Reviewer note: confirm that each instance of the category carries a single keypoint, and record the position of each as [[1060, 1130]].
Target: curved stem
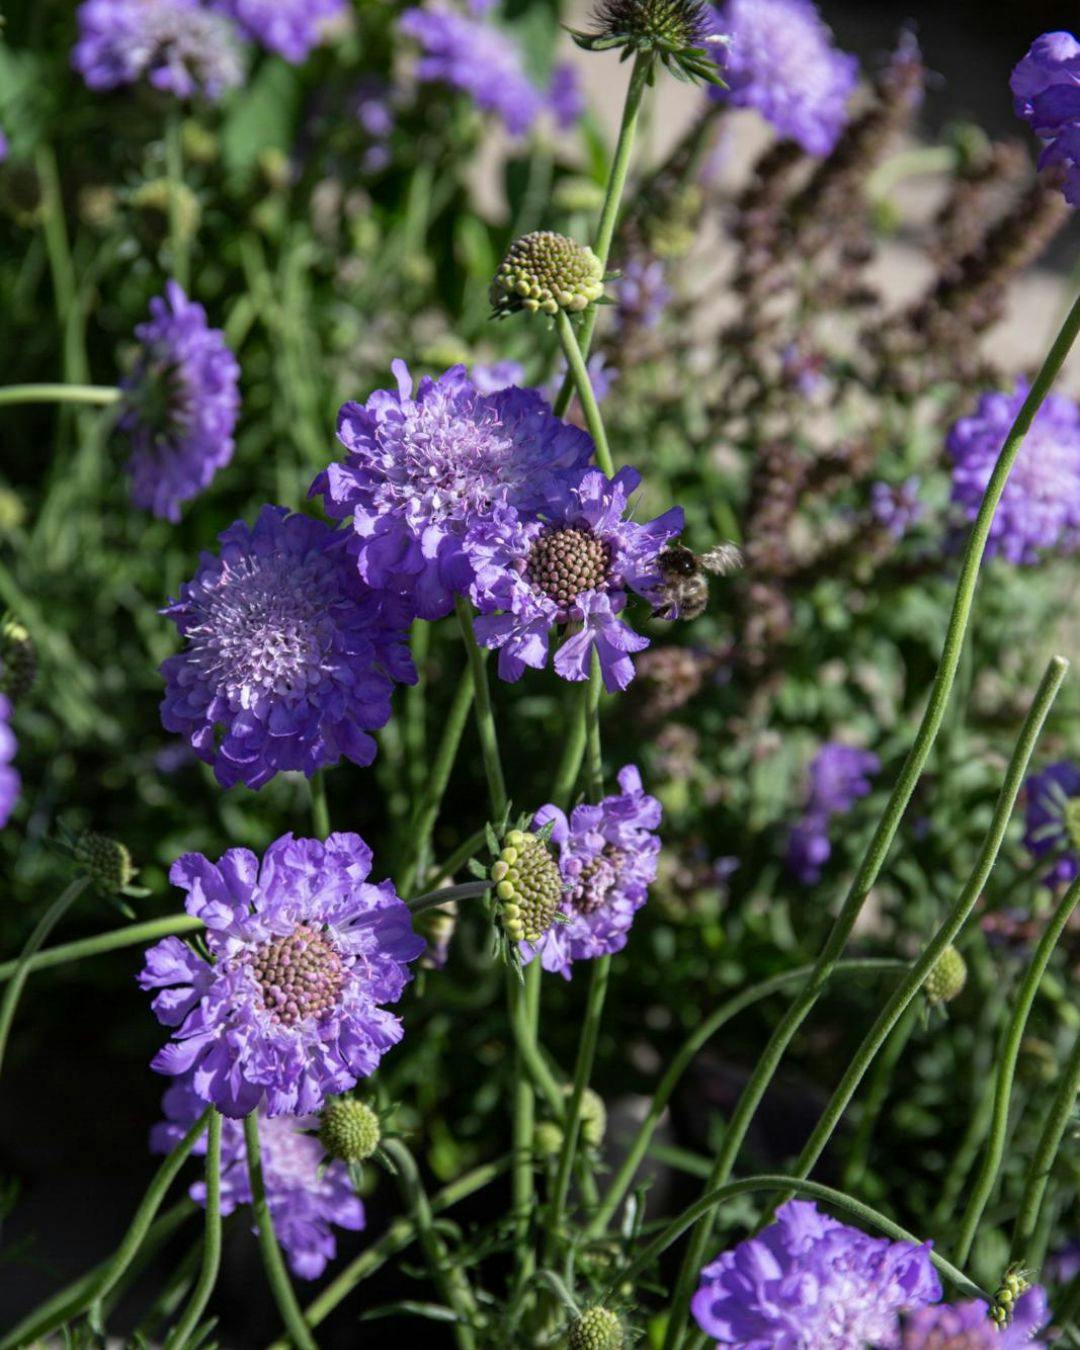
[[485, 718], [174, 168], [276, 1274], [1006, 1068], [883, 836], [594, 767], [624, 1177], [320, 810], [877, 1092], [461, 855], [211, 1250], [579, 373], [46, 924], [58, 393], [114, 940], [468, 890], [1027, 1219]]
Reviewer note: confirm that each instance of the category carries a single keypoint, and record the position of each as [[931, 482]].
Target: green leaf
[[262, 118]]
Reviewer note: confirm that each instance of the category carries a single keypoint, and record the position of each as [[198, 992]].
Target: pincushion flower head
[[969, 1326], [1053, 819], [677, 33], [421, 469], [807, 1281], [178, 405], [572, 568], [1046, 94], [1039, 509], [290, 660], [304, 952], [9, 777], [470, 54], [289, 27], [608, 855], [780, 60], [308, 1193], [177, 46]]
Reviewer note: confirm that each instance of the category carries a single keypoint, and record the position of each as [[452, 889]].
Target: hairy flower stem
[[484, 716], [102, 394], [276, 1274], [566, 775], [885, 832], [624, 1177], [320, 810], [609, 215], [449, 1278], [861, 1213], [580, 375], [46, 924], [130, 936], [910, 986], [1042, 1162], [174, 170], [1006, 1070], [211, 1247]]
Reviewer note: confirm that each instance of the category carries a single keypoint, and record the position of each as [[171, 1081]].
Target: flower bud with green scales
[[106, 862], [545, 272], [1014, 1282], [349, 1129], [18, 660], [548, 1135], [947, 977], [596, 1329], [527, 887]]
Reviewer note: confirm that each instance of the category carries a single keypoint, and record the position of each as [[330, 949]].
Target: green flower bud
[[528, 886], [200, 143], [1014, 1282], [596, 1329], [947, 978], [18, 661], [106, 862], [349, 1129], [593, 1118], [546, 272], [677, 32], [548, 1139]]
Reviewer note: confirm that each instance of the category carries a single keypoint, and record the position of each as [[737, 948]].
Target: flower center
[[597, 879], [563, 563], [299, 976]]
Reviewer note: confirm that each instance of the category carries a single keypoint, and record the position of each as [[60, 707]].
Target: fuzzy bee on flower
[[683, 592]]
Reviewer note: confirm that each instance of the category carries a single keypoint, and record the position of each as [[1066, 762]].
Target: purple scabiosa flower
[[1040, 507], [1053, 819], [642, 294], [839, 776], [896, 506], [176, 45], [421, 470], [493, 376], [968, 1326], [565, 97], [375, 113], [179, 405], [304, 951], [470, 54], [574, 565], [607, 858], [808, 848], [1046, 94], [290, 660], [10, 782], [807, 1281], [780, 60], [308, 1193], [289, 27]]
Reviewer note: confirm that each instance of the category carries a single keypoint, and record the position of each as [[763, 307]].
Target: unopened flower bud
[[528, 886], [105, 861], [18, 661], [548, 1139], [546, 272], [152, 202], [947, 978], [677, 32], [349, 1129], [596, 1329]]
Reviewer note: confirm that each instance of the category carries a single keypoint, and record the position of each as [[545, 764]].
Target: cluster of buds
[[106, 862], [548, 1136], [596, 1329], [528, 886], [678, 33], [546, 272]]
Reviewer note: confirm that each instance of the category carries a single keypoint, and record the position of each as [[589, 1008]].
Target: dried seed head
[[105, 861], [596, 1329], [947, 978], [546, 272], [18, 660], [349, 1129], [528, 886]]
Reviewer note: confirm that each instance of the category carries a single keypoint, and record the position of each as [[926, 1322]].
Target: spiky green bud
[[18, 661], [105, 861], [596, 1329], [546, 272], [528, 886], [349, 1129], [676, 32], [947, 978]]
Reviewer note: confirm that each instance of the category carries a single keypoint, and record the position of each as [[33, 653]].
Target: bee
[[684, 578]]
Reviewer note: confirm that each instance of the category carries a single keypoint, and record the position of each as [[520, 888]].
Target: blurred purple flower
[[289, 27], [10, 782], [4, 148], [641, 293], [497, 375], [566, 98], [896, 506], [839, 775], [808, 848], [968, 1326], [1053, 818], [601, 377], [1046, 94], [373, 107]]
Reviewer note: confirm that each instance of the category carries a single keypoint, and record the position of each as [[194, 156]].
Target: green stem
[[594, 766], [211, 1250], [415, 735], [573, 751], [46, 924], [909, 986], [57, 244], [449, 1278], [468, 890], [1061, 1110], [485, 718], [579, 373], [276, 1274], [464, 851], [862, 1213], [882, 839], [320, 809], [114, 940], [624, 1177], [58, 393], [609, 215], [1006, 1069], [524, 1026], [522, 1000], [877, 1092], [174, 169]]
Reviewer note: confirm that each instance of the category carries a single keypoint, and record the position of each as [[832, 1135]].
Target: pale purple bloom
[[492, 376], [968, 1326], [566, 99], [289, 27], [781, 61], [289, 660], [470, 54], [1053, 818], [1046, 94], [1063, 1266], [374, 111], [179, 405], [607, 858], [896, 506], [641, 293], [808, 848], [839, 776], [421, 470], [572, 567], [308, 1193], [10, 783], [176, 45], [304, 951], [602, 377], [1040, 507], [807, 1281]]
